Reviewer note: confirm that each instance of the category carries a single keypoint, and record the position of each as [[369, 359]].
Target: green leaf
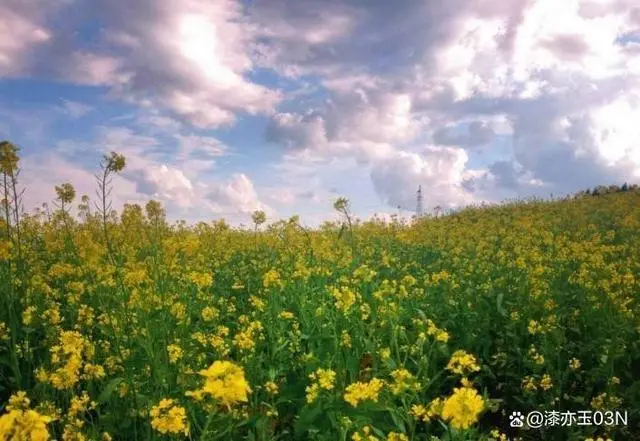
[[306, 420], [105, 395], [499, 301]]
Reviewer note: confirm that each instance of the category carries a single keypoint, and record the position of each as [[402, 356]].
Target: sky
[[223, 107]]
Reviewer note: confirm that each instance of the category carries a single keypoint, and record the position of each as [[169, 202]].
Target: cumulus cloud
[[561, 78], [234, 196], [190, 57], [555, 81], [164, 183], [439, 170]]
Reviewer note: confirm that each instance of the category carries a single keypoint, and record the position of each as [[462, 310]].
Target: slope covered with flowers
[[121, 326]]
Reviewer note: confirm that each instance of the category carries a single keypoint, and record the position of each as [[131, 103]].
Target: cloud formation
[[418, 92]]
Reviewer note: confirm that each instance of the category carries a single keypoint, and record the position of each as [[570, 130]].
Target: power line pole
[[419, 201]]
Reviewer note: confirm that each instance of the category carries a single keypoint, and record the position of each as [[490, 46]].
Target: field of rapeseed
[[121, 326]]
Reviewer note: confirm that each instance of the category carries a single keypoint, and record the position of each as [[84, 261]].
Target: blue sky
[[224, 107]]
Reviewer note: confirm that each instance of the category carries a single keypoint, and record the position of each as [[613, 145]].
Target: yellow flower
[[178, 310], [345, 298], [225, 382], [439, 334], [92, 371], [537, 358], [4, 332], [271, 387], [313, 390], [79, 404], [167, 417], [272, 279], [325, 377], [201, 280], [246, 338], [463, 408], [426, 413], [360, 391], [322, 379], [27, 315], [258, 303], [394, 436], [18, 401], [546, 383], [462, 363], [21, 423], [529, 384], [209, 313], [364, 435], [574, 364], [175, 353], [403, 381], [286, 315], [345, 339]]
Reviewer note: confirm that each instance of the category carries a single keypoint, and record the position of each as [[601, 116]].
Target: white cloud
[[164, 183], [555, 81], [439, 170], [235, 196], [191, 57]]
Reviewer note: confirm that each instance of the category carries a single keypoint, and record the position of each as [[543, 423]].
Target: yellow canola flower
[[426, 413], [403, 381], [360, 391], [167, 417], [175, 353], [225, 382], [394, 436], [322, 379], [364, 435], [27, 425], [463, 407], [21, 423], [462, 362]]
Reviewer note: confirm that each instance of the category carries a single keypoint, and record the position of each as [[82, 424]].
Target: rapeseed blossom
[[174, 352], [463, 407], [395, 436], [321, 379], [426, 413], [224, 382], [462, 363], [123, 306], [169, 418], [403, 381], [364, 434], [22, 423], [362, 391]]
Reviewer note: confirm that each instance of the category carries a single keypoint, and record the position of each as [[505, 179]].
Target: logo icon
[[516, 419]]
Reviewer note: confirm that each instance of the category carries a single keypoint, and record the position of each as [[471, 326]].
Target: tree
[[258, 217]]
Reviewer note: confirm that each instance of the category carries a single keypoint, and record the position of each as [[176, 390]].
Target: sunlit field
[[122, 326]]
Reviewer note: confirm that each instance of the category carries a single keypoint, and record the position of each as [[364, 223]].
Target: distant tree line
[[608, 189]]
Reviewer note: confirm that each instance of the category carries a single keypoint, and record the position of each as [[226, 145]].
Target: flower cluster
[[224, 382], [362, 391], [321, 379], [169, 418]]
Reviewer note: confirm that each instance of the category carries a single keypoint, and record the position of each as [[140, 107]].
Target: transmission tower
[[419, 201]]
